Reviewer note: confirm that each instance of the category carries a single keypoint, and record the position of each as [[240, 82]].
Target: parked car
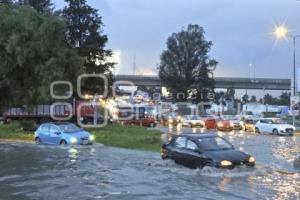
[[192, 121], [235, 122], [62, 133], [274, 126], [249, 125], [199, 150]]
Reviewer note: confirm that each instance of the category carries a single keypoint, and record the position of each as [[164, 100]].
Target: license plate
[[85, 142]]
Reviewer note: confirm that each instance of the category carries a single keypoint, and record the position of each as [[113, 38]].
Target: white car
[[192, 121], [274, 126]]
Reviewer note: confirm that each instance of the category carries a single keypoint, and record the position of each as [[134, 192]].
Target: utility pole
[[133, 65]]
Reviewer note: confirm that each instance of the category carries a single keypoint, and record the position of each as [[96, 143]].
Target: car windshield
[[277, 121], [229, 117], [214, 144], [193, 117], [68, 128]]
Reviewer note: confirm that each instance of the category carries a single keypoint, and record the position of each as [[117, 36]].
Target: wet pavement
[[29, 171]]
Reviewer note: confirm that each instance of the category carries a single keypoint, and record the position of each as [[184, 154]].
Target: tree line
[[39, 45]]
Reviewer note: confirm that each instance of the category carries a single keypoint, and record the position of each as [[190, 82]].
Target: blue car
[[62, 133]]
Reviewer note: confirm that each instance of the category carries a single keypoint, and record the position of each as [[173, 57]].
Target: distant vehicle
[[224, 124], [235, 122], [274, 126], [136, 115], [170, 118], [62, 133], [210, 122], [192, 121], [200, 150], [249, 125]]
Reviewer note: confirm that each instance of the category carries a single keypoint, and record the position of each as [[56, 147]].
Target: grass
[[13, 131], [130, 137]]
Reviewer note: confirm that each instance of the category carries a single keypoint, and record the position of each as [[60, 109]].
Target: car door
[[44, 133], [192, 157], [54, 136], [268, 126], [262, 125], [178, 151]]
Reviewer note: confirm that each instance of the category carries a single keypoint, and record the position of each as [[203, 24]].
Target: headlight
[[178, 118], [92, 138], [251, 159], [170, 120], [73, 140], [220, 124], [225, 163], [242, 123], [231, 124]]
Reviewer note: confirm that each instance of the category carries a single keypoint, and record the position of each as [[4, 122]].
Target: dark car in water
[[200, 150]]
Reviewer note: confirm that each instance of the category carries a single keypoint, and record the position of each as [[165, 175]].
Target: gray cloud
[[239, 30]]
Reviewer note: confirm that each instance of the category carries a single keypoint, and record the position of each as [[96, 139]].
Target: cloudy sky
[[240, 30]]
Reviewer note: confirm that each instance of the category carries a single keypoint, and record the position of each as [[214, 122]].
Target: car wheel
[[164, 154], [38, 140], [63, 142], [275, 132], [208, 164], [257, 130]]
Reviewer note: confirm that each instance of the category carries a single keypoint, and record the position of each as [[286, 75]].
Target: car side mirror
[[57, 133]]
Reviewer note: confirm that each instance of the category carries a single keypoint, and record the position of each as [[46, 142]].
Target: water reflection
[[73, 154]]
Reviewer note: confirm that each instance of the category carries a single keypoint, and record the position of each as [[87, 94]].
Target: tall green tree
[[6, 2], [33, 54], [42, 6], [84, 32], [253, 99], [284, 98], [185, 65]]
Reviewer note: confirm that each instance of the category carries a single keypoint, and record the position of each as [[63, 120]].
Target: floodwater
[[29, 171]]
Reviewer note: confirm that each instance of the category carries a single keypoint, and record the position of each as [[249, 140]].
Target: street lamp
[[282, 32]]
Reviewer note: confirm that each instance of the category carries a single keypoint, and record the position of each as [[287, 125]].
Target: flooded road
[[30, 171]]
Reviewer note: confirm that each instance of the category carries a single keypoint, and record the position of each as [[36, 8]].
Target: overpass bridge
[[221, 82]]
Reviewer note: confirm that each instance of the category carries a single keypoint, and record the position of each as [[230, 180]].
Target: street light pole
[[294, 49], [282, 32]]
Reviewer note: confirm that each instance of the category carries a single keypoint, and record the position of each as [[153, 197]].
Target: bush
[[27, 125], [269, 114]]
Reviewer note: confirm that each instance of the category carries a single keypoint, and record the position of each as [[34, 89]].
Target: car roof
[[57, 123], [196, 136]]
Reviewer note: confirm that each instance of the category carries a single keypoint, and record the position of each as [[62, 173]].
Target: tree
[[42, 6], [6, 2], [284, 98], [253, 99], [245, 98], [268, 99], [33, 54], [185, 66], [84, 32]]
